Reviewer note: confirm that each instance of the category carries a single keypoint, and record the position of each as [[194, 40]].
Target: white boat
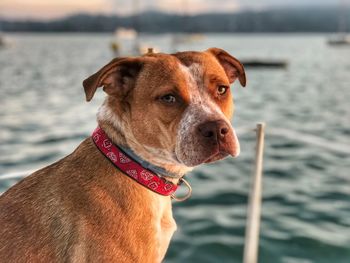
[[125, 33], [126, 40], [342, 38]]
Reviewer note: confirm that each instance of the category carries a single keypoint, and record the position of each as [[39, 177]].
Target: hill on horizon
[[292, 19]]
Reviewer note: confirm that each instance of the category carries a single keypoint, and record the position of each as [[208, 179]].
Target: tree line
[[309, 19]]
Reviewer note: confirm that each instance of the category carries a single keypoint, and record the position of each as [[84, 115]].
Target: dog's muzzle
[[219, 139], [208, 141]]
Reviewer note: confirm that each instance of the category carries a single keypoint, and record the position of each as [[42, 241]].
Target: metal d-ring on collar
[[188, 194]]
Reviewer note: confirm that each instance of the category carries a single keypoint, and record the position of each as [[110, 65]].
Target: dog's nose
[[213, 129]]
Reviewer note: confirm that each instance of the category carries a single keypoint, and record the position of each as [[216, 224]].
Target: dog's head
[[172, 110]]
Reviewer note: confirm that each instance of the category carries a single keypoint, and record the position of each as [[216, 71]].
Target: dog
[[163, 115]]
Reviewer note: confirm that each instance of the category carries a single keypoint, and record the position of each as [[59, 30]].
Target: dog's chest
[[165, 224]]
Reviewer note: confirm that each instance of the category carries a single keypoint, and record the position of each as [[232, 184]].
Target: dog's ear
[[232, 66], [116, 78]]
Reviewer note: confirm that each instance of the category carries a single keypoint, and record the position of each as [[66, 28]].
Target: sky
[[51, 9]]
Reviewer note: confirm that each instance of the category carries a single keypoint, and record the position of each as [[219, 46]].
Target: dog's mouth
[[221, 151], [216, 157], [208, 152]]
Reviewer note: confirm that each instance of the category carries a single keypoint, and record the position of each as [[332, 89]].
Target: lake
[[306, 107]]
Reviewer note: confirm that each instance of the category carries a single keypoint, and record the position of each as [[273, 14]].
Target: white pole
[[253, 221]]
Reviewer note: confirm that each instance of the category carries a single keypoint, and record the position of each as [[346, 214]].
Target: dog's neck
[[152, 158], [156, 169]]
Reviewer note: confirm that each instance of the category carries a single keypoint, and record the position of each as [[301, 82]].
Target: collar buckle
[[188, 194]]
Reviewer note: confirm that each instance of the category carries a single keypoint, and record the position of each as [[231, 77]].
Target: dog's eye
[[222, 89], [169, 98]]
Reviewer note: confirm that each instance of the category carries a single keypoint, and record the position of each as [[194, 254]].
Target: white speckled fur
[[106, 114], [202, 108]]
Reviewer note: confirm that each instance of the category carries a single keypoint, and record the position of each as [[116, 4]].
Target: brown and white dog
[[173, 111]]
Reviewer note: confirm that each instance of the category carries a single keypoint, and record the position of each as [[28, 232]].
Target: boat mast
[[342, 10], [184, 16], [136, 22]]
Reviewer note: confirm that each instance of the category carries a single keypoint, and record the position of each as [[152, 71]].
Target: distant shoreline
[[9, 33], [287, 20]]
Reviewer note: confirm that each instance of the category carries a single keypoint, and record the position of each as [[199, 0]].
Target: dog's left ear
[[116, 78], [232, 66]]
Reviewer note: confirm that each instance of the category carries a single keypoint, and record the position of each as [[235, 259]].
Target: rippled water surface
[[306, 196]]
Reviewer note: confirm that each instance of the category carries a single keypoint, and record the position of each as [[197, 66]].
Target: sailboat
[[186, 36], [341, 38], [129, 37]]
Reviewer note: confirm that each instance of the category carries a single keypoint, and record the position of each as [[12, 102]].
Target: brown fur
[[61, 212], [83, 209]]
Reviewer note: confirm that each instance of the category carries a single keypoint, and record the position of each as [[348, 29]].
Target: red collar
[[131, 168]]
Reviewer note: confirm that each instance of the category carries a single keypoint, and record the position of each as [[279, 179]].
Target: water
[[306, 196]]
